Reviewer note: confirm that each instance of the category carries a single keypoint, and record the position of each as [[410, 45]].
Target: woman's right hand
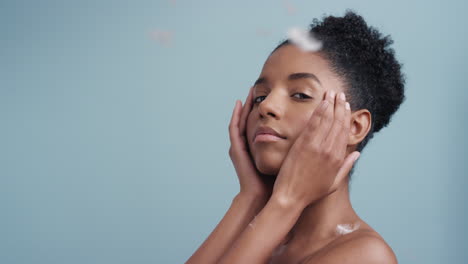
[[252, 182]]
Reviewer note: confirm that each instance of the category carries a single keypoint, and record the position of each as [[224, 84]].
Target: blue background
[[114, 144]]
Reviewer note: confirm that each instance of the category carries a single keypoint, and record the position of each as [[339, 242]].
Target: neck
[[319, 220]]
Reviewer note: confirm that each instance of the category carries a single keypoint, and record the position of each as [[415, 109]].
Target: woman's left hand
[[316, 164]]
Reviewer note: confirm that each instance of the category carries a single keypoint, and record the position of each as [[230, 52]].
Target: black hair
[[367, 65]]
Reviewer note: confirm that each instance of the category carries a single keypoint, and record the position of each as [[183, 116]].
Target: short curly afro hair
[[367, 65]]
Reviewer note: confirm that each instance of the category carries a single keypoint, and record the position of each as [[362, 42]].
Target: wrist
[[286, 208], [287, 203], [252, 204], [254, 197]]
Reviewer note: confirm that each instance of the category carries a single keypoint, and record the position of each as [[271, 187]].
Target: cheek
[[307, 114], [305, 121], [249, 127], [300, 123]]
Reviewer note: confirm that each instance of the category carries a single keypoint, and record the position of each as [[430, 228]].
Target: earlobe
[[360, 126]]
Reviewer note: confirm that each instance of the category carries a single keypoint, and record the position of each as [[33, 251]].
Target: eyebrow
[[294, 76]]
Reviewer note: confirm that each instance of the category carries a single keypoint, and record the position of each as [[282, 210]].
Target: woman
[[294, 143]]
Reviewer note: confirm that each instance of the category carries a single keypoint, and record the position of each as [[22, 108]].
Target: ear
[[360, 126]]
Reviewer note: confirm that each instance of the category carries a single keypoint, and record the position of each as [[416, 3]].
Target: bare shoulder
[[363, 247]]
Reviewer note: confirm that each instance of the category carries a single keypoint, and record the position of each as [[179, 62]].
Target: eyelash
[[305, 96]]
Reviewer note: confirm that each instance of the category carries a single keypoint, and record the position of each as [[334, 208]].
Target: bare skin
[[291, 201], [314, 233]]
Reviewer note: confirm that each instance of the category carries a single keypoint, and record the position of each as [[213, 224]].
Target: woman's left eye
[[302, 96]]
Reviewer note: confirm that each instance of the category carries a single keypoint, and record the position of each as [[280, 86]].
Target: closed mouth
[[265, 130]]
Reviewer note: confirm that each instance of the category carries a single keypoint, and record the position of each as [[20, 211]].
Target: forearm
[[257, 242], [243, 209]]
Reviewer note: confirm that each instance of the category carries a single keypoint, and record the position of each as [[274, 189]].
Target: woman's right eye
[[256, 99]]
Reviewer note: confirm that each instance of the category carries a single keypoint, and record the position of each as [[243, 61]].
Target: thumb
[[345, 169]]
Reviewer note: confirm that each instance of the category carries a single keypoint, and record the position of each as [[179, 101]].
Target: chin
[[268, 164]]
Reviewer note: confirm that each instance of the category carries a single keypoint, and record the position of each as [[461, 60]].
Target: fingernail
[[342, 96], [332, 95], [347, 106], [357, 156]]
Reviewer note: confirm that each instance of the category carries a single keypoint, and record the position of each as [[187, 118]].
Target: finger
[[234, 123], [245, 112], [337, 138], [343, 139], [327, 119], [345, 169], [314, 121]]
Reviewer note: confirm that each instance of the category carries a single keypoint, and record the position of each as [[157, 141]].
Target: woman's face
[[291, 85]]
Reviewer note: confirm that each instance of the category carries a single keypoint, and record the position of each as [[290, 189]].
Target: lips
[[268, 131]]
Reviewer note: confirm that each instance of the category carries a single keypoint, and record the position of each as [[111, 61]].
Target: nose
[[271, 106]]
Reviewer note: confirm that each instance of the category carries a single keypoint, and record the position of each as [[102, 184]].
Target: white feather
[[344, 229], [304, 39]]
